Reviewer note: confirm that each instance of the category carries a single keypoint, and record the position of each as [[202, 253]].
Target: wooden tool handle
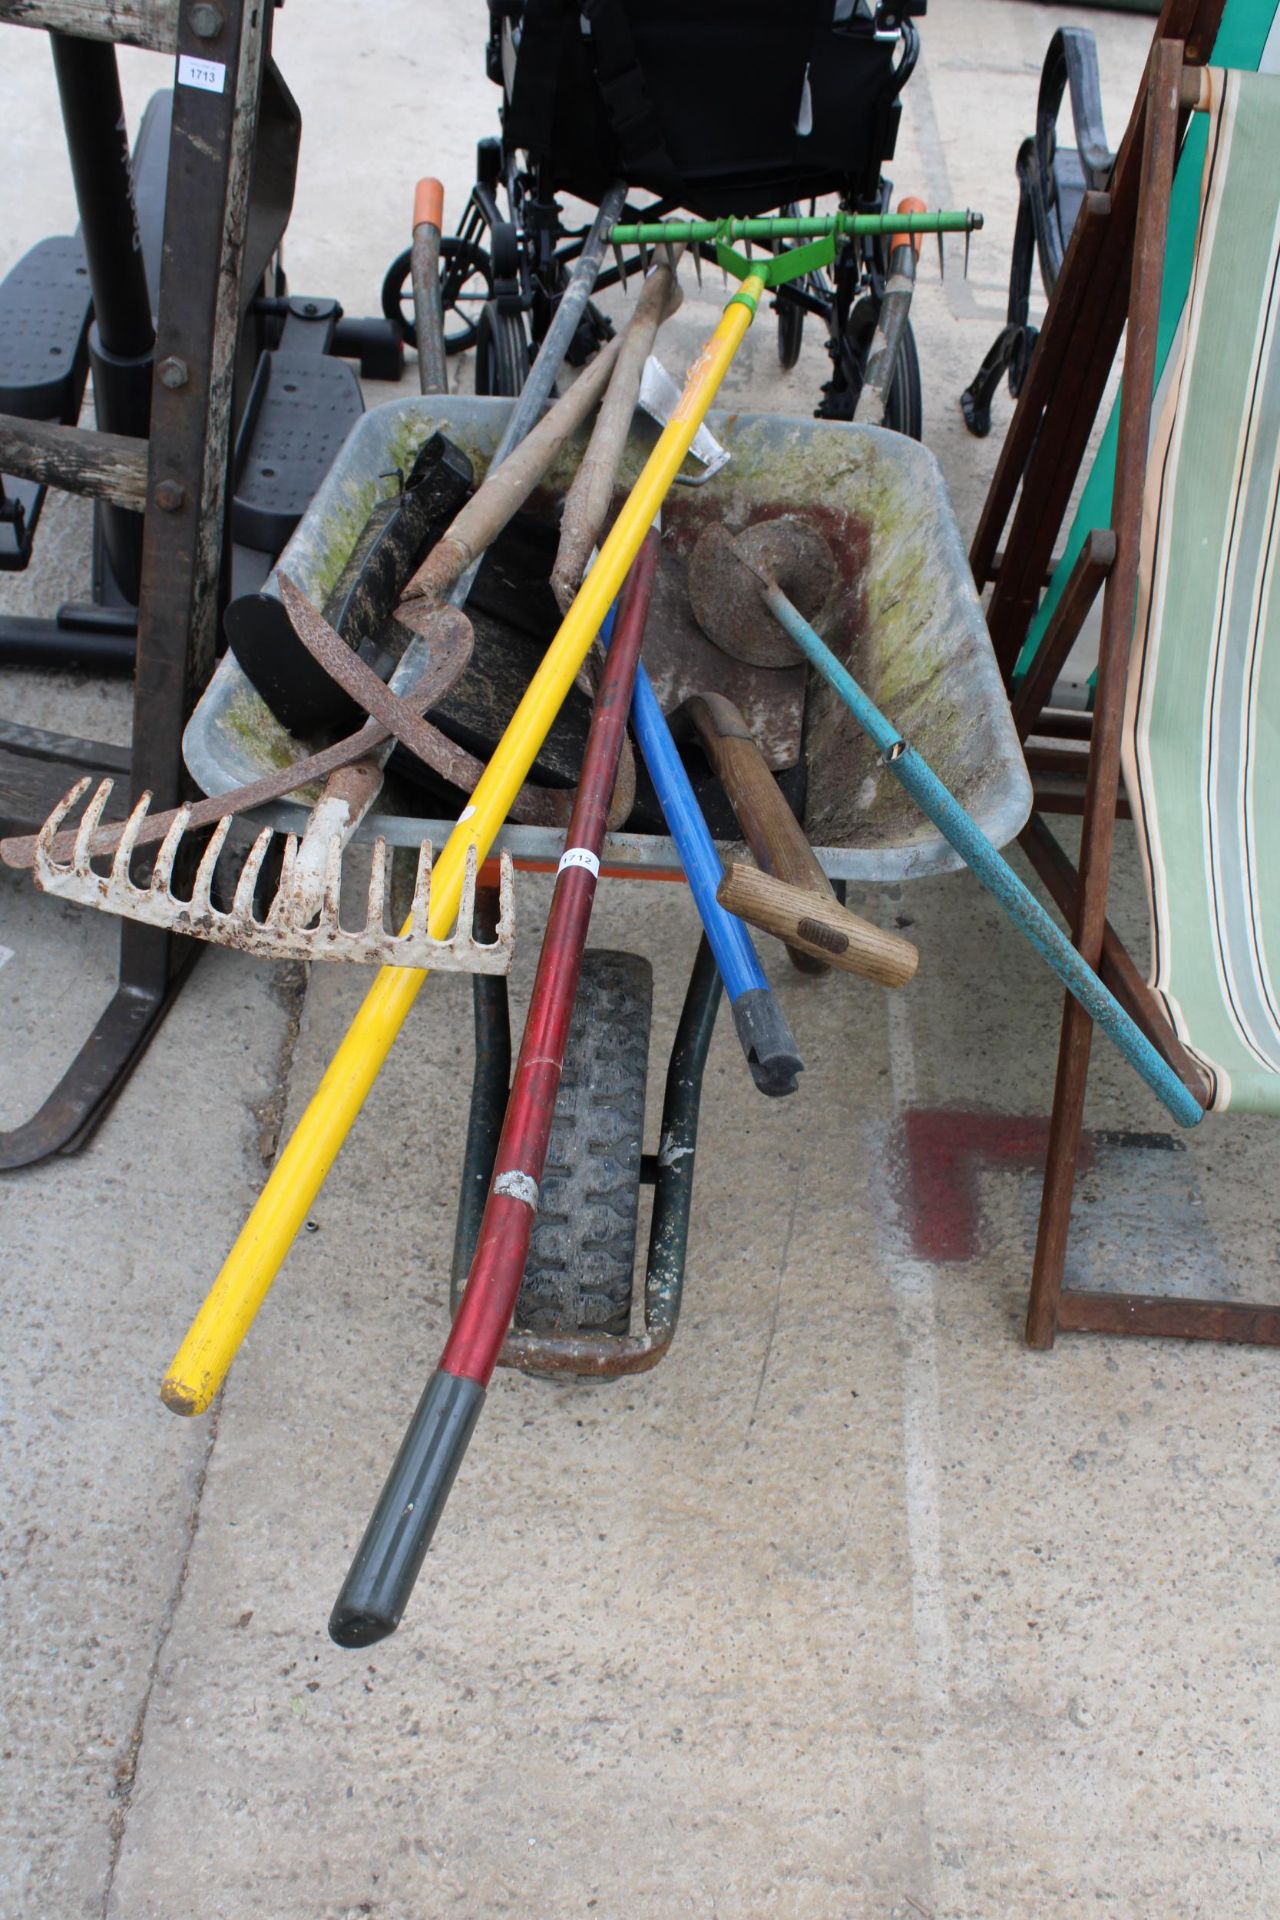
[[586, 505], [820, 927], [505, 489], [769, 827]]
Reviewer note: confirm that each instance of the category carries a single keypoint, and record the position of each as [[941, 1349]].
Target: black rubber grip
[[376, 1591], [767, 1041]]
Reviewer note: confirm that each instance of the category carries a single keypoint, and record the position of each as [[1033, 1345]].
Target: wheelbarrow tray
[[907, 621]]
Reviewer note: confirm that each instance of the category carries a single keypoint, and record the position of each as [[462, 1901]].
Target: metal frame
[[669, 1172], [1112, 275], [184, 545]]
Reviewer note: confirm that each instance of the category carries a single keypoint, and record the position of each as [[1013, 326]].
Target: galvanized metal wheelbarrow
[[909, 624]]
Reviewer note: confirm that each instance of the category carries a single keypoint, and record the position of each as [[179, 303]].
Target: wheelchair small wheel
[[790, 313], [502, 352], [905, 411], [466, 283], [790, 331], [578, 1277]]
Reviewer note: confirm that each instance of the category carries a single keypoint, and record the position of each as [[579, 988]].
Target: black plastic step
[[301, 408], [45, 309]]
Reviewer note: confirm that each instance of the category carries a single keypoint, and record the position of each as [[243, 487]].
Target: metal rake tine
[[375, 917], [129, 838], [620, 259], [421, 893], [942, 258], [88, 827], [247, 884], [697, 264], [162, 872], [464, 928], [967, 238], [277, 912], [506, 900], [49, 831], [330, 899], [202, 890]]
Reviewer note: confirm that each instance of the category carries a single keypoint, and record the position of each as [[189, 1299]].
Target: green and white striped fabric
[[1202, 733]]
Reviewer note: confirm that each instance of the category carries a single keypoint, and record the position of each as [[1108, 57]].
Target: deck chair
[[1188, 690]]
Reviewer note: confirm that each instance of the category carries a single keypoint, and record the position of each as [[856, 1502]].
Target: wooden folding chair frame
[[1112, 274]]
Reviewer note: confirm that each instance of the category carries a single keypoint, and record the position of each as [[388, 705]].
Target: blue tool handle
[[766, 1038], [995, 873], [730, 942]]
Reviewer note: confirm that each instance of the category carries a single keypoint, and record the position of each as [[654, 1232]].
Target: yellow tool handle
[[201, 1363]]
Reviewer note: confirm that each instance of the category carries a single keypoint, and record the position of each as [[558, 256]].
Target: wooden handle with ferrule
[[820, 927]]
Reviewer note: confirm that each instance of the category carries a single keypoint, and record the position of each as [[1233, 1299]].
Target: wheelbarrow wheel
[[582, 1255]]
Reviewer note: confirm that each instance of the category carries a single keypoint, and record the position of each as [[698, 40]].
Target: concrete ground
[[854, 1607]]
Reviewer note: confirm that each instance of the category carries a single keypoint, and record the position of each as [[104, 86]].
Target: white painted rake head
[[302, 922]]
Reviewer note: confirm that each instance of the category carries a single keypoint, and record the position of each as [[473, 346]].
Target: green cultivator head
[[820, 234]]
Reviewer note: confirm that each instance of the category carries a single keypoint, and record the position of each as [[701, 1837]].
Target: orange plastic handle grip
[[428, 205], [909, 205]]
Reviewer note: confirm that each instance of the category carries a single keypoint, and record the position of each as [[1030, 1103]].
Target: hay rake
[[303, 921]]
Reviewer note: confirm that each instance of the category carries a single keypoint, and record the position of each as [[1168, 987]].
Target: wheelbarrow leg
[[490, 1086]]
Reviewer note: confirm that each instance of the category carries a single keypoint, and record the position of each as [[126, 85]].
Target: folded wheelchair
[[742, 110]]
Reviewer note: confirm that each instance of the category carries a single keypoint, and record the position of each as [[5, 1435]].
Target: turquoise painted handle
[[995, 873]]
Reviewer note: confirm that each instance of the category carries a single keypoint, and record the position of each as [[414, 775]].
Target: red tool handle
[[503, 1244], [386, 1565]]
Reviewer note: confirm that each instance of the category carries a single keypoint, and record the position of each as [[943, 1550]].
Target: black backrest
[[732, 107]]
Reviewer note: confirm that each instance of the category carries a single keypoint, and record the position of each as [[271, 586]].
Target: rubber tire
[[502, 352], [790, 333], [397, 292], [582, 1255], [905, 412]]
